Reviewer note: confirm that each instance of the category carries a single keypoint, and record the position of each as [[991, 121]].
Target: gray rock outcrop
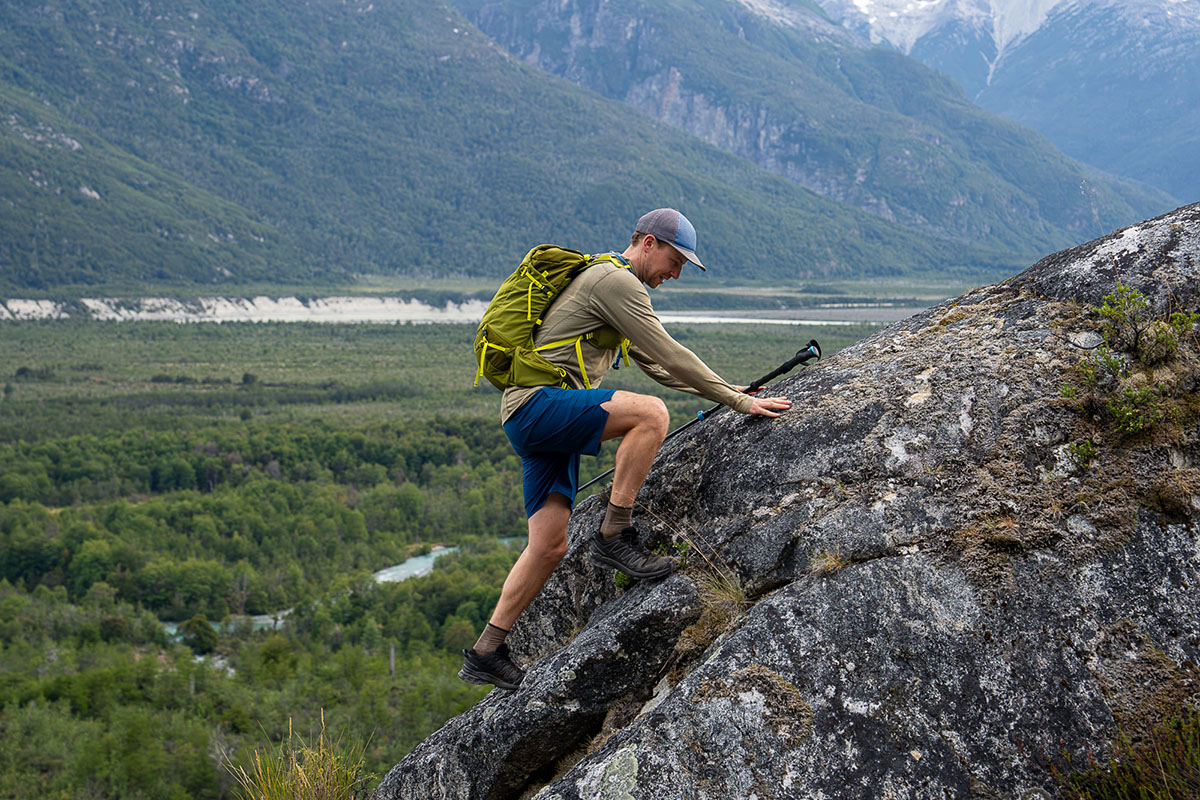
[[926, 591]]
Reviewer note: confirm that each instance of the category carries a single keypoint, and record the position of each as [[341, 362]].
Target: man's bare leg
[[642, 421], [546, 548], [488, 660]]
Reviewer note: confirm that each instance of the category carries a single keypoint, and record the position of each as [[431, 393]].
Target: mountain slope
[[1111, 82], [775, 82], [77, 207], [332, 139]]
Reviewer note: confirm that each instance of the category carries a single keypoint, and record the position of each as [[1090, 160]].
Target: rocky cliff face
[[631, 53], [778, 84], [911, 585]]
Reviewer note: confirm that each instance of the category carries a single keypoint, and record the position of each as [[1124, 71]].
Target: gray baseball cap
[[668, 225]]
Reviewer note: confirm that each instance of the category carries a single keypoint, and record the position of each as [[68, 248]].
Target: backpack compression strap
[[531, 274]]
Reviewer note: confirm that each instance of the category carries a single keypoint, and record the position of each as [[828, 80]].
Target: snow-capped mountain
[[905, 23], [1111, 82]]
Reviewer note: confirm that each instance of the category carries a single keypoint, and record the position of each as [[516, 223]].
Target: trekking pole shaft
[[811, 350]]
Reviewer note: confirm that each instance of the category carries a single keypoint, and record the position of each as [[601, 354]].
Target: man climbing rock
[[600, 314]]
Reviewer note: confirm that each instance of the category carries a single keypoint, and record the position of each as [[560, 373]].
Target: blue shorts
[[549, 433]]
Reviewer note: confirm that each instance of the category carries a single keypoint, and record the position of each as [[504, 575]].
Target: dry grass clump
[[723, 596], [827, 562], [300, 770], [721, 592]]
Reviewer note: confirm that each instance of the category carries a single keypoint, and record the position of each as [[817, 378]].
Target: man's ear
[[649, 243]]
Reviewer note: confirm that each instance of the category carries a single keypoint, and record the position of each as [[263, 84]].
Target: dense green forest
[[157, 472], [97, 701], [228, 517]]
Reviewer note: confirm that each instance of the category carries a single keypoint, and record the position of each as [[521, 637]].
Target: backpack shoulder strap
[[612, 258]]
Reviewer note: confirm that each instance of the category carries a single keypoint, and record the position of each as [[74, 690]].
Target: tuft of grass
[[721, 590], [827, 562], [1166, 766], [723, 596], [300, 770]]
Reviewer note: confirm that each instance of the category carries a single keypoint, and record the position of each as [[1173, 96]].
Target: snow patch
[[778, 12], [902, 23]]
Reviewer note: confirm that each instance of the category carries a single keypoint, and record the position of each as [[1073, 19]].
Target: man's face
[[663, 263]]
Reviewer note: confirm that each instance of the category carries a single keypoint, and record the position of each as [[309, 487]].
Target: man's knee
[[549, 550], [628, 410], [657, 415]]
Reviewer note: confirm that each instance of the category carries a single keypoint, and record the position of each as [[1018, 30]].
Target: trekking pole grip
[[811, 350]]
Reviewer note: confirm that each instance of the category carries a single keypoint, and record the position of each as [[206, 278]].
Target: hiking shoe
[[495, 668], [626, 554]]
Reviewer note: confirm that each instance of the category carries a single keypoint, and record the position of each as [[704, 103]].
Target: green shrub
[[1134, 410], [1129, 326], [1164, 767], [1081, 453], [1126, 315], [1118, 383]]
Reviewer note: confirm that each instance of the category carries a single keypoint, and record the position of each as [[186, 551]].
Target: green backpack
[[504, 344]]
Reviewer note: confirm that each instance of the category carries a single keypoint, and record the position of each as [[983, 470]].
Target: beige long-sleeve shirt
[[610, 299]]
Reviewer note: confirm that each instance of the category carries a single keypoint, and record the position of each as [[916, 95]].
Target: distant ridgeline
[[226, 144], [806, 99]]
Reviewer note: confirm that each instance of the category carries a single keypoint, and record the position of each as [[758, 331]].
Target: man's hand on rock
[[769, 406]]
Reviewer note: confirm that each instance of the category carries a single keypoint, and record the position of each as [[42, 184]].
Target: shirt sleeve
[[658, 373], [623, 302]]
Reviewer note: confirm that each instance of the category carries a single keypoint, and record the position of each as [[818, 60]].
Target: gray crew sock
[[491, 638], [616, 519]]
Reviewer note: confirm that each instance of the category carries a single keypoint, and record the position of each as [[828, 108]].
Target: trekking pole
[[811, 350]]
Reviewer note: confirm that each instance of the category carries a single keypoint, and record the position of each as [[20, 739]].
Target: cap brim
[[689, 255]]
